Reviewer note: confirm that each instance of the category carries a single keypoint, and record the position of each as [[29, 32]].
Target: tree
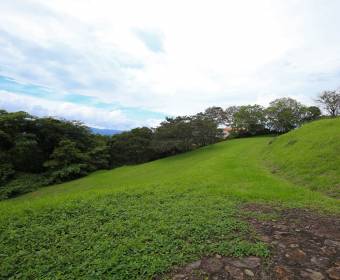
[[249, 119], [64, 154], [229, 113], [311, 113], [99, 155], [5, 141], [330, 100], [26, 154], [173, 136], [216, 114], [205, 130], [131, 147], [284, 114], [66, 162]]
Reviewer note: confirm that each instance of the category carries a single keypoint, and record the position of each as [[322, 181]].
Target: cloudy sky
[[121, 64]]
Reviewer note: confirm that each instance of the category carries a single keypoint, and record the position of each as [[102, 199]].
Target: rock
[[249, 262], [193, 266], [334, 273], [293, 245], [265, 238], [178, 277], [332, 243], [296, 255], [320, 261], [312, 274], [281, 273], [252, 262], [238, 264], [234, 272], [218, 256], [249, 272], [328, 250], [281, 246], [212, 265], [282, 227]]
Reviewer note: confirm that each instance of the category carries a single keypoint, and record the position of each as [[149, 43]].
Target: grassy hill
[[136, 222], [309, 156]]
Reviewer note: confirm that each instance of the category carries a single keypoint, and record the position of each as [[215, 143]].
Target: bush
[[6, 172], [21, 184], [69, 172]]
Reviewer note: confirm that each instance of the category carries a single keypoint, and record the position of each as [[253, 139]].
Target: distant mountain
[[103, 131]]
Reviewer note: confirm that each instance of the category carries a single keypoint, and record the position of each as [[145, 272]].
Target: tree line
[[36, 152]]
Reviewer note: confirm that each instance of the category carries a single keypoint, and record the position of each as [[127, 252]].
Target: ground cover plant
[[309, 156], [137, 222]]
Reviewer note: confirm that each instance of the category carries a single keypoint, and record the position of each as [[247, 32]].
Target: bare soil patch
[[304, 245]]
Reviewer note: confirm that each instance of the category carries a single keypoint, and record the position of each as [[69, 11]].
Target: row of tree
[[40, 151], [282, 115]]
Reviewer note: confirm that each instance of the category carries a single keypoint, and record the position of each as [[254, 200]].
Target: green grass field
[[310, 156], [137, 222]]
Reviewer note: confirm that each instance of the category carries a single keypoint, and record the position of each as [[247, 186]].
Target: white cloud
[[90, 116], [213, 52]]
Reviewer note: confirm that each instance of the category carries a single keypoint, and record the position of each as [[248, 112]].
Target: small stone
[[238, 264], [218, 256], [193, 266], [328, 250], [249, 272], [234, 272], [264, 238], [320, 261], [294, 245], [312, 274], [281, 273], [296, 255], [212, 265], [252, 262], [281, 233], [332, 243], [282, 246], [178, 277], [334, 273], [282, 227]]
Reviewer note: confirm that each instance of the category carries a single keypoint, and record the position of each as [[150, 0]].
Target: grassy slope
[[310, 156], [138, 221]]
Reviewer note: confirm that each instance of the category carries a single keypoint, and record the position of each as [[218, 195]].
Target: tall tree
[[330, 100], [284, 114], [131, 147], [230, 113], [217, 114], [249, 119], [311, 113]]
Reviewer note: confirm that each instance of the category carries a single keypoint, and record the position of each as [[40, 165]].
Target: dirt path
[[304, 245]]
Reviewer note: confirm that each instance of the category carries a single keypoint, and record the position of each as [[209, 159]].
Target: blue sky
[[122, 64]]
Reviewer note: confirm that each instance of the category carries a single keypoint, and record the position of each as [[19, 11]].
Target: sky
[[122, 64]]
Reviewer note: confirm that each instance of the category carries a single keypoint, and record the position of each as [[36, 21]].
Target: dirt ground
[[304, 245]]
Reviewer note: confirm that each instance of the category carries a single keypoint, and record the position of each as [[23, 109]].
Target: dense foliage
[[40, 151], [57, 150]]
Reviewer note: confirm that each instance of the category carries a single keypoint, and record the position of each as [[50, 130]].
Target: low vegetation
[[136, 222], [309, 156]]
